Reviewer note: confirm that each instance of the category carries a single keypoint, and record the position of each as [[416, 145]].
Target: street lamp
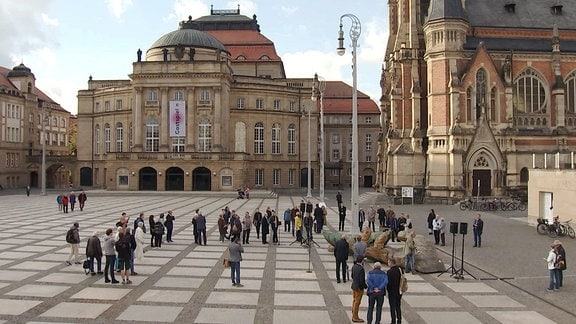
[[318, 87], [45, 119], [355, 30], [309, 173]]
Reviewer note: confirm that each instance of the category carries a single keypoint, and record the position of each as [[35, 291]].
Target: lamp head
[[341, 50], [314, 87]]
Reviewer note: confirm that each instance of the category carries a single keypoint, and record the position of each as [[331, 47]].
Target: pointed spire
[[442, 9]]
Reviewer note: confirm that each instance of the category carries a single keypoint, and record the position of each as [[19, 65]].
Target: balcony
[[205, 103], [180, 156], [151, 103]]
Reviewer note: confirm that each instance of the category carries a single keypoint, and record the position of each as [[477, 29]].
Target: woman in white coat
[[139, 236]]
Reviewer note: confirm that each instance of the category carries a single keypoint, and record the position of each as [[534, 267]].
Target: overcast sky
[[64, 42]]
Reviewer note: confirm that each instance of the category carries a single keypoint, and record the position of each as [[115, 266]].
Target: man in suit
[[477, 228], [341, 251]]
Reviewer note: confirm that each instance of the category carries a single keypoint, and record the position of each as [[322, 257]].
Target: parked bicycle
[[556, 228], [514, 204], [469, 204]]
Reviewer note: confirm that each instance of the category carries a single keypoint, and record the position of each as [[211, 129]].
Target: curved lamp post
[[318, 87], [355, 30]]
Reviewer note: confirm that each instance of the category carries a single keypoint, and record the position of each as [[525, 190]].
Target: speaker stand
[[459, 275], [451, 268]]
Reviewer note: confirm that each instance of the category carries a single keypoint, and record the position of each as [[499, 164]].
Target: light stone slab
[[427, 301], [154, 261], [254, 256], [52, 243], [421, 287], [4, 262], [161, 253], [35, 265], [296, 285], [136, 281], [233, 297], [189, 271], [166, 296], [13, 275], [281, 299], [248, 284], [51, 257], [292, 257], [519, 317], [253, 264], [198, 262], [346, 300], [6, 246], [245, 273], [282, 316], [204, 255], [76, 310], [292, 265], [179, 282], [64, 278], [470, 287], [295, 274], [15, 255], [145, 269], [34, 248], [292, 250], [225, 315], [450, 317], [211, 248], [150, 313], [101, 293], [493, 301], [16, 307], [38, 291]]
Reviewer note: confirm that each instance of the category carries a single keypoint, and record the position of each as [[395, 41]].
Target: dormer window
[[264, 57], [556, 10], [510, 7], [241, 57]]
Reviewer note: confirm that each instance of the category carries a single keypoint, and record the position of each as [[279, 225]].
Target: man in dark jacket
[[341, 251], [358, 286], [377, 282], [394, 296], [123, 249], [341, 217]]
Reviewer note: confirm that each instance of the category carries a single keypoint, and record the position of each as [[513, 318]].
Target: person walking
[[274, 224], [371, 220], [394, 294], [222, 227], [169, 223], [341, 251], [265, 229], [308, 223], [287, 220], [110, 254], [430, 220], [361, 219], [410, 252], [246, 227], [72, 199], [562, 266], [318, 219], [358, 286], [73, 238], [377, 281], [339, 199], [359, 248], [59, 202], [442, 232], [82, 199], [27, 191], [94, 251], [257, 221], [235, 250], [477, 228], [554, 272], [65, 202], [341, 217]]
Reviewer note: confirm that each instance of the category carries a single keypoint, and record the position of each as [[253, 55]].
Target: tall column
[[217, 120], [164, 122], [137, 124], [190, 120]]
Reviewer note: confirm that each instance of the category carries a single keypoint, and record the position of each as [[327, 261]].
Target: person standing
[[302, 207], [477, 228], [554, 272], [82, 199], [94, 251], [257, 221], [442, 231], [246, 227], [430, 220], [392, 222], [410, 252], [371, 220], [318, 219], [436, 230], [73, 238], [65, 203], [562, 255], [247, 192], [377, 281], [123, 249], [235, 226], [59, 201], [359, 248], [139, 238], [341, 217], [27, 191], [293, 213], [287, 220], [201, 228], [235, 250], [169, 223], [308, 223], [372, 212], [274, 223], [361, 219], [151, 223], [265, 229], [394, 294], [358, 286], [222, 227], [298, 227], [341, 251], [158, 231], [72, 199], [110, 254], [339, 199]]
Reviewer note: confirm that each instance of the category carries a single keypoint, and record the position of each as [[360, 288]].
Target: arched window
[[259, 138], [178, 95], [493, 103], [264, 57], [119, 137], [276, 138], [524, 175], [240, 57], [529, 93], [291, 139], [107, 138], [570, 90], [29, 87], [97, 139], [481, 90], [468, 104], [152, 136], [204, 135]]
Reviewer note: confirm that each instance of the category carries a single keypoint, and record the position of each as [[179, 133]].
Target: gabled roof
[[247, 43], [337, 99]]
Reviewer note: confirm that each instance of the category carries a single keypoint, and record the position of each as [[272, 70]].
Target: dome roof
[[20, 71], [189, 37]]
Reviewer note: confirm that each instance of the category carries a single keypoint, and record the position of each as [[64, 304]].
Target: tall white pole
[[309, 193], [43, 138], [318, 87], [354, 35]]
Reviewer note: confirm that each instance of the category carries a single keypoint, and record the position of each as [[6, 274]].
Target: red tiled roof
[[4, 78], [338, 100], [248, 43]]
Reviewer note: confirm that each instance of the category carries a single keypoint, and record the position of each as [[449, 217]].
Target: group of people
[[64, 200], [556, 261]]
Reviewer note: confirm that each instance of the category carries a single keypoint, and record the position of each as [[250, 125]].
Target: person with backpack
[[94, 251], [394, 293], [123, 249], [561, 261], [73, 238], [377, 281]]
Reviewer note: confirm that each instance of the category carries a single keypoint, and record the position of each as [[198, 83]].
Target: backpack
[[70, 236], [560, 263], [121, 245], [403, 283]]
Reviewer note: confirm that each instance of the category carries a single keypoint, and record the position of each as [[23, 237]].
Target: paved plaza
[[186, 283]]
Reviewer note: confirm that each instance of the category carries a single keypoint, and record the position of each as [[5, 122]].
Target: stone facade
[[471, 89]]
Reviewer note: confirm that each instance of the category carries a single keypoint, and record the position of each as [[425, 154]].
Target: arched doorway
[[147, 179], [58, 176], [201, 179], [86, 177], [304, 178], [33, 179], [482, 175], [174, 179]]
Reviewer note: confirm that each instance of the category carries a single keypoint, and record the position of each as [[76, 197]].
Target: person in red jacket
[[65, 203]]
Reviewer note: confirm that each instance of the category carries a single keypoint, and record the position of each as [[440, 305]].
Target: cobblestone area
[[185, 283]]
